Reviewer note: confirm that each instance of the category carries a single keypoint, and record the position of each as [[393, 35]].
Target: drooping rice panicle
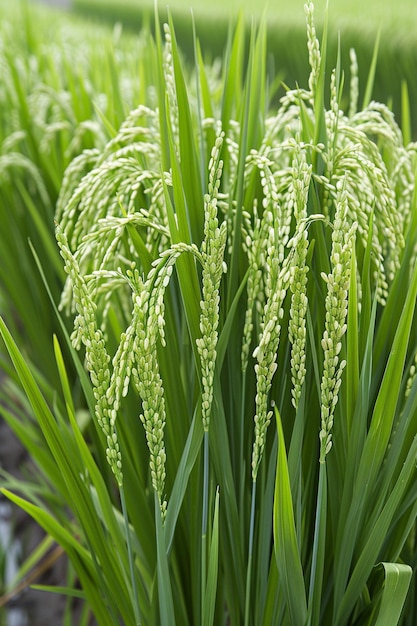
[[148, 381], [332, 123], [298, 311], [265, 354], [255, 246], [276, 285], [86, 331], [354, 83], [148, 322], [314, 54], [170, 83], [212, 252], [91, 182], [336, 312], [73, 175], [370, 192]]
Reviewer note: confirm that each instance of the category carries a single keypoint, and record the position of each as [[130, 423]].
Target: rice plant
[[56, 87], [242, 280]]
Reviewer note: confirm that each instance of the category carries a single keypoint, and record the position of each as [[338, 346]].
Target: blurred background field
[[384, 11], [357, 23]]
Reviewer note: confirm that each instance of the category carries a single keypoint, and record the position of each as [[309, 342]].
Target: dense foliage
[[231, 438]]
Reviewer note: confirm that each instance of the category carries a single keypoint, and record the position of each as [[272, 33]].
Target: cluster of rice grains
[[352, 189]]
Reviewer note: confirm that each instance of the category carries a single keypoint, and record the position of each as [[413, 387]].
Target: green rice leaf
[[32, 439], [58, 532], [37, 401], [318, 560], [371, 75], [48, 244], [220, 455], [188, 153], [85, 383], [228, 325], [63, 376], [185, 467], [205, 93], [33, 559], [273, 612], [265, 531], [367, 297], [69, 465], [232, 74], [387, 400], [375, 540], [396, 584], [307, 124], [111, 131], [64, 591], [352, 359], [160, 82], [376, 442], [166, 603], [81, 558], [287, 552], [252, 129], [180, 232], [213, 567]]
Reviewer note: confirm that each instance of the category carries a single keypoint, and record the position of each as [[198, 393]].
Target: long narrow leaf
[[316, 579], [213, 567], [397, 582], [79, 556], [166, 603], [185, 467], [378, 436], [287, 552]]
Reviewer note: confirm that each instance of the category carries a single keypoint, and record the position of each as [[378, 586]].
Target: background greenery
[[357, 23]]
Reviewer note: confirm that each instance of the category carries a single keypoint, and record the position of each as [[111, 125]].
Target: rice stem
[[136, 607], [206, 470], [250, 554]]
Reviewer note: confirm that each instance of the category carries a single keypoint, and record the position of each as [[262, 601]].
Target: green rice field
[[208, 328], [373, 13], [353, 23]]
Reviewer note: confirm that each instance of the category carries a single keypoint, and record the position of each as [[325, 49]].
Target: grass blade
[[369, 552], [79, 556], [166, 603], [185, 467], [287, 553], [371, 75], [396, 584], [317, 568], [378, 436], [213, 567]]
